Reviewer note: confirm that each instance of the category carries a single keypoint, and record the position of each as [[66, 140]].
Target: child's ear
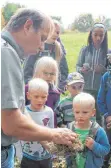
[[28, 95], [93, 112]]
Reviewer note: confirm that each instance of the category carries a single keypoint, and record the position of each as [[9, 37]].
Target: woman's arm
[[81, 59]]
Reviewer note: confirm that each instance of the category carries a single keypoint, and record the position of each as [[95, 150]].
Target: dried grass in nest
[[61, 151]]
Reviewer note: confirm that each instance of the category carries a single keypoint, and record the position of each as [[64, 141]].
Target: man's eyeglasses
[[49, 73]]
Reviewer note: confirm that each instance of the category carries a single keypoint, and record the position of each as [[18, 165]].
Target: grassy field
[[73, 43]]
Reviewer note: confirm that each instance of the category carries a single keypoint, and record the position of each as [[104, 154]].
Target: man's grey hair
[[18, 20]]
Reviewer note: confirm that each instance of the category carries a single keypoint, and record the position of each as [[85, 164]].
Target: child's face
[[49, 74], [56, 33], [75, 89], [83, 113], [98, 36], [37, 99]]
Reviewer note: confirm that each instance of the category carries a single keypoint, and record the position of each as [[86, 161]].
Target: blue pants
[[7, 157]]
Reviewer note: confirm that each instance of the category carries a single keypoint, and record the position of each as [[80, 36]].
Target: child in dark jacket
[[47, 69], [104, 104]]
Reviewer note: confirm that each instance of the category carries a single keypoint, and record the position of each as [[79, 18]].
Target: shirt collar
[[6, 35]]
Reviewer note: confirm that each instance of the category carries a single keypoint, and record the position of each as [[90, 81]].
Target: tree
[[2, 19], [105, 21], [58, 18], [9, 9], [83, 22]]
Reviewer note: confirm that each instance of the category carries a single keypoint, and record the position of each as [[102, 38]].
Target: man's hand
[[89, 142], [45, 144], [108, 121], [63, 136]]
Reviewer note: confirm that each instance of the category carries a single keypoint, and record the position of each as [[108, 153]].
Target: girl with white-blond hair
[[47, 69]]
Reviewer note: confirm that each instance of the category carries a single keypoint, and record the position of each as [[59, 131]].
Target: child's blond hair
[[38, 84], [58, 50], [84, 99], [46, 63]]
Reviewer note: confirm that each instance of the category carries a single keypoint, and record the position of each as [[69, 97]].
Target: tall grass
[[73, 41]]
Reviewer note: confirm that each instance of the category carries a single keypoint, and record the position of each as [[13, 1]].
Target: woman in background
[[92, 61]]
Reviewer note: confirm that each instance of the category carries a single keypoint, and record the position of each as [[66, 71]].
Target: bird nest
[[60, 152], [63, 150]]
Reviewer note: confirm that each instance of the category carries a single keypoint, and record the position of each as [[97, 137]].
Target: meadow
[[73, 41]]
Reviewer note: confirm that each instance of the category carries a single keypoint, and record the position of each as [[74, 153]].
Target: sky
[[68, 9]]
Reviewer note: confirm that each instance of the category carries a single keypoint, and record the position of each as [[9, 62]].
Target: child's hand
[[89, 142]]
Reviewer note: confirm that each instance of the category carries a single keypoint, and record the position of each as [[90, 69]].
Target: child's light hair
[[46, 63], [84, 99], [38, 84], [58, 50], [56, 22]]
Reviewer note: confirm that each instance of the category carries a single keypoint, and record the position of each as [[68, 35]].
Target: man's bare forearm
[[14, 123]]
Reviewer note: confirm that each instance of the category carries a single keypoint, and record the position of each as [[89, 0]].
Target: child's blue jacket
[[104, 95], [101, 147]]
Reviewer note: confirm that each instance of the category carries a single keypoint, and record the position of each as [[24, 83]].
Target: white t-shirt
[[34, 150]]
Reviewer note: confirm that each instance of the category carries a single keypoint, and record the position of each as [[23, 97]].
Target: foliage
[[83, 22], [9, 9], [2, 19], [105, 21], [58, 18]]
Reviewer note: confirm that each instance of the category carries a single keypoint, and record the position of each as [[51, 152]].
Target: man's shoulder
[[4, 43], [7, 48]]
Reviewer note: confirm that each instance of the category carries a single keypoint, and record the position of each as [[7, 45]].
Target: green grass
[[73, 42]]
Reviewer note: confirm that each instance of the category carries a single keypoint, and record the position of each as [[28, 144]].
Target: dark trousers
[[28, 163], [94, 93]]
